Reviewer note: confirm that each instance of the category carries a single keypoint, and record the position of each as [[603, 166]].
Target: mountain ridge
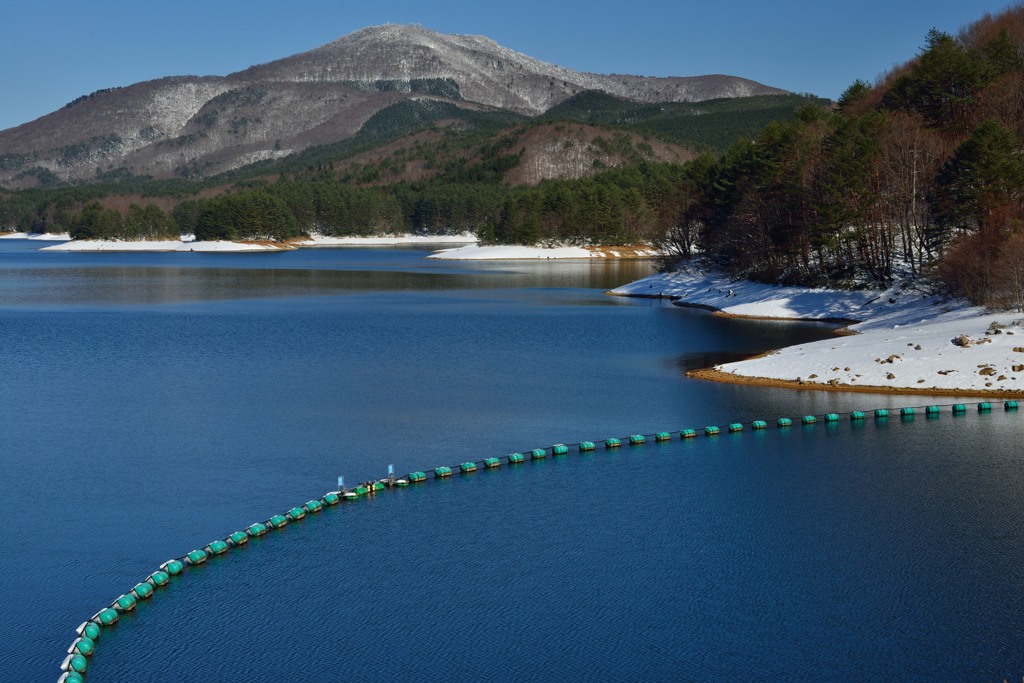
[[197, 126]]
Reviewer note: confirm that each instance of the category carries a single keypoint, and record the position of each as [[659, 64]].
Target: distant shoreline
[[500, 252], [459, 247], [39, 236], [191, 245]]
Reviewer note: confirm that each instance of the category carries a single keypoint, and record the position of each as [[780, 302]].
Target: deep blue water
[[156, 402]]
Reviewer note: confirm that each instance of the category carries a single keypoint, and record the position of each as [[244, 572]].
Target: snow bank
[[908, 341], [513, 252], [385, 240], [960, 355], [742, 298], [42, 236], [498, 253], [162, 245], [188, 243]]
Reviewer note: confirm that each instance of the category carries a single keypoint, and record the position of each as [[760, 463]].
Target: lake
[[157, 402]]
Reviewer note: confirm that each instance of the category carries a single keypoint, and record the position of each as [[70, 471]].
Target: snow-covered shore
[[515, 252], [163, 246], [189, 244], [907, 341], [41, 236], [467, 249], [386, 240]]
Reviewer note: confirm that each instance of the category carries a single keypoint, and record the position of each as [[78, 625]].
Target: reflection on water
[[699, 360], [41, 278]]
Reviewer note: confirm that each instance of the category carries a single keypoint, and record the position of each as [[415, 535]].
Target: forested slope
[[920, 172], [423, 166]]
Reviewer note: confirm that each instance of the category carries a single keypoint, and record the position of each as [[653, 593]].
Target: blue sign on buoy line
[[75, 664]]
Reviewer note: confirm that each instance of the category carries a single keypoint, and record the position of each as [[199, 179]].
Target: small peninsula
[[904, 340]]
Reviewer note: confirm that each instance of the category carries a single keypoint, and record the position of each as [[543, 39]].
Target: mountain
[[188, 126], [483, 71]]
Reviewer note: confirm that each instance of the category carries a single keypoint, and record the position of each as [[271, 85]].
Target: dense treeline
[[138, 223], [921, 172], [638, 203]]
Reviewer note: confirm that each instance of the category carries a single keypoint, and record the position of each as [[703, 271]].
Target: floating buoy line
[[76, 662]]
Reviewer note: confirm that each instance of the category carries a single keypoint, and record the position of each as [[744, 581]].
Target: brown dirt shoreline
[[713, 375]]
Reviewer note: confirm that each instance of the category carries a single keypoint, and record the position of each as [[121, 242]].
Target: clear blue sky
[[52, 51]]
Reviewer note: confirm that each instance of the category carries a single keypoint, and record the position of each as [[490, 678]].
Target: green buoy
[[107, 616], [196, 557], [78, 663], [85, 646], [125, 603], [90, 630]]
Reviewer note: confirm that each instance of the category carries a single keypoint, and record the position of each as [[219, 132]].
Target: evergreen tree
[[983, 182]]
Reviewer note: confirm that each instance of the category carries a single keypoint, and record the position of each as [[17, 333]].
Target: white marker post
[[391, 475], [341, 483]]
